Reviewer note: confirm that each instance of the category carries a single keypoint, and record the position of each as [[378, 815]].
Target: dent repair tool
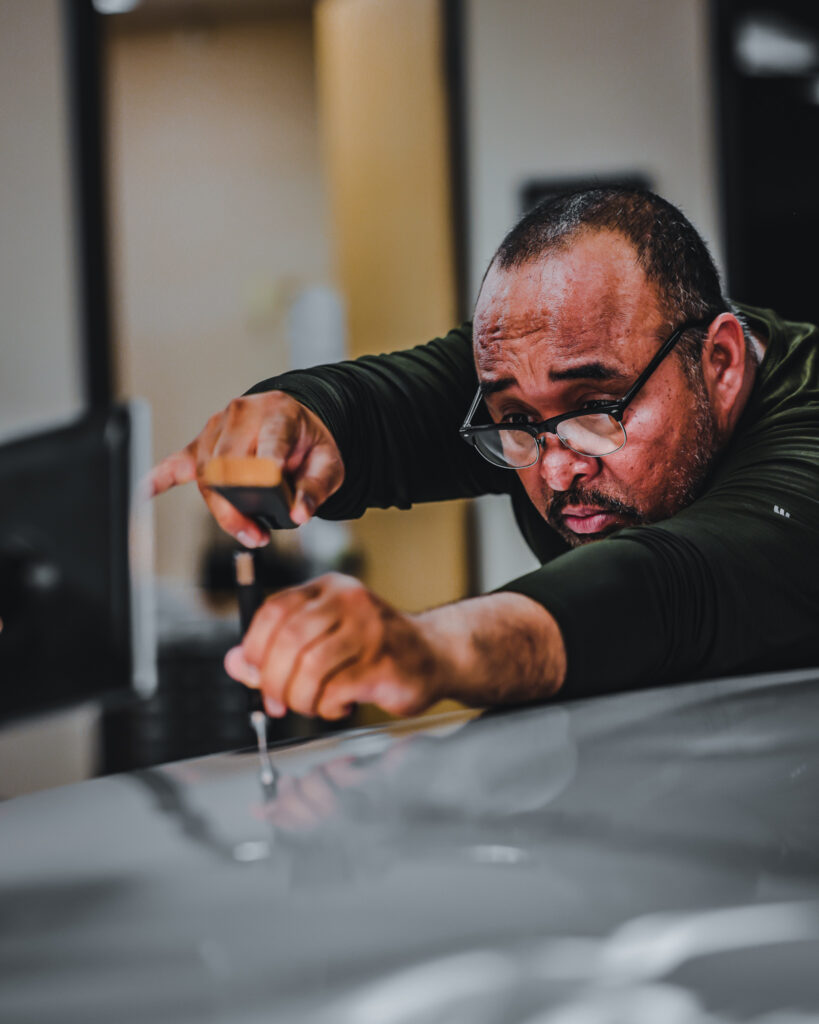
[[255, 486], [250, 598]]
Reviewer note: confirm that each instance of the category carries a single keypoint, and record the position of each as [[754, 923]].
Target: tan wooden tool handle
[[243, 471]]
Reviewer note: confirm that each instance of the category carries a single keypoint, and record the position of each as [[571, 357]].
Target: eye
[[516, 417], [595, 403]]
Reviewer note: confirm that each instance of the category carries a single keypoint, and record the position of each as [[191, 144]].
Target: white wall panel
[[559, 89], [40, 368]]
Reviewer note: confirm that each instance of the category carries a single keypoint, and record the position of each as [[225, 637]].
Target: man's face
[[582, 324]]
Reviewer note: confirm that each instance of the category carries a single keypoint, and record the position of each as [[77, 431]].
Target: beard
[[686, 480], [553, 513]]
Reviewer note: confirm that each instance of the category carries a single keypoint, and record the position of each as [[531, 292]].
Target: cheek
[[534, 486], [645, 465], [647, 423]]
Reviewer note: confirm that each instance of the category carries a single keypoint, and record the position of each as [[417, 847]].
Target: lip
[[587, 518]]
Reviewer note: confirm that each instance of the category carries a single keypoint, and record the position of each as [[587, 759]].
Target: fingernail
[[274, 708], [251, 540]]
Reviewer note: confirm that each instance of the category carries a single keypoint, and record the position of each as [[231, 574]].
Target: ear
[[726, 370]]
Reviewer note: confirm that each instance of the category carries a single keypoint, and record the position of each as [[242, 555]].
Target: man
[[661, 455]]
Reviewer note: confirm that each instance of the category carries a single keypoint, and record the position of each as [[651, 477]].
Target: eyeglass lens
[[595, 435]]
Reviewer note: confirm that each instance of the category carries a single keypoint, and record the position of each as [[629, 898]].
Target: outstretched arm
[[378, 431], [325, 646]]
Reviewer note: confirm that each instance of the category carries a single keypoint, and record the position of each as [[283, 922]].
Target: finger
[[378, 684], [299, 641], [274, 708], [342, 692], [320, 476], [337, 655], [243, 672], [232, 521], [239, 428], [279, 434], [238, 668], [400, 697], [179, 468], [203, 446], [270, 617]]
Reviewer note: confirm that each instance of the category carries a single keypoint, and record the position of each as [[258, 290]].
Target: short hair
[[669, 249]]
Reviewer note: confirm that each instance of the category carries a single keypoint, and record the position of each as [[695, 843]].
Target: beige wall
[[219, 220], [558, 89], [385, 142]]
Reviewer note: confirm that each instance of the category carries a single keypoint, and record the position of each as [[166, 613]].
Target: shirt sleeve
[[728, 585], [395, 418]]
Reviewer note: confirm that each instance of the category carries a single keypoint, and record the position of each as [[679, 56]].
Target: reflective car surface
[[647, 857]]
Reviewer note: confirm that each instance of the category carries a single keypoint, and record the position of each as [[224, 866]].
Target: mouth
[[586, 519]]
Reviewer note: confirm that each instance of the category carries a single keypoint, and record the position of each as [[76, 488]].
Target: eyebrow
[[583, 371], [588, 371]]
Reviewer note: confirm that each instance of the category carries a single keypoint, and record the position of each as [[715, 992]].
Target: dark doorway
[[767, 75]]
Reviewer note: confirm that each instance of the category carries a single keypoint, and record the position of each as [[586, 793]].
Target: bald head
[[667, 246]]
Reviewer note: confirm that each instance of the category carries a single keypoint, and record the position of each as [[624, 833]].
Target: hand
[[270, 425], [327, 645]]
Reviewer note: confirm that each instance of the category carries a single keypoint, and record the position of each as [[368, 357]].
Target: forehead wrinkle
[[517, 358], [588, 303], [598, 346]]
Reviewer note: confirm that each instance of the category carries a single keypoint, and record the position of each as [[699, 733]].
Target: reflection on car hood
[[649, 857]]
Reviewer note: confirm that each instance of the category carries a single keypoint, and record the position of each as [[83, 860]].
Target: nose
[[560, 467]]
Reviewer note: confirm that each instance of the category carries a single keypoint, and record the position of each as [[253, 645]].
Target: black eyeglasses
[[595, 430]]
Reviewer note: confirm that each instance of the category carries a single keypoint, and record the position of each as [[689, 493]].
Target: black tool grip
[[268, 506]]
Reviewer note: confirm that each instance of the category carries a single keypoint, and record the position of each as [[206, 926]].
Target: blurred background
[[198, 194]]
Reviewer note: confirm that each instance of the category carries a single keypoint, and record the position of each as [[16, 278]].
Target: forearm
[[496, 649]]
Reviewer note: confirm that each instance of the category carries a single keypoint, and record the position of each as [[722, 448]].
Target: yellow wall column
[[383, 111], [382, 106]]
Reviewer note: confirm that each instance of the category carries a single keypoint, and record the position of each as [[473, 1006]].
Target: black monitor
[[76, 615]]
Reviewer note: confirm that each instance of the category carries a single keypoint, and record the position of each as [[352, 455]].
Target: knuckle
[[335, 578], [270, 610], [289, 637], [312, 661], [348, 583], [236, 408], [388, 663], [327, 583]]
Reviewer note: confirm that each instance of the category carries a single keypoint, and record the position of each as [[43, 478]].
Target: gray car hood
[[648, 857]]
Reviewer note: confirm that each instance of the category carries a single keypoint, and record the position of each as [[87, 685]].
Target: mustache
[[589, 496]]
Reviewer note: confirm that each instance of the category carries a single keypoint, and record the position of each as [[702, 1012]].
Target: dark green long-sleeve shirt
[[729, 584]]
